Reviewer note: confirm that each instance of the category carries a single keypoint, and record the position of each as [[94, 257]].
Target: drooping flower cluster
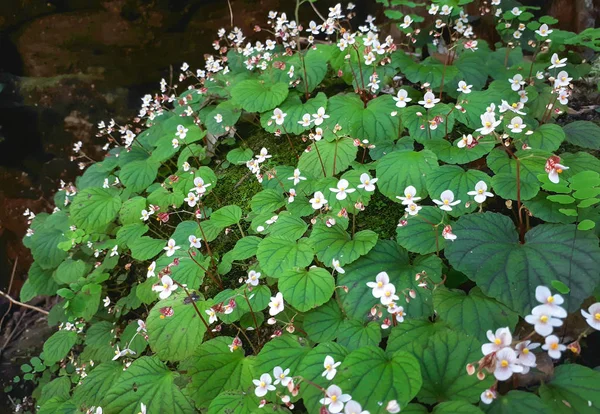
[[385, 291]]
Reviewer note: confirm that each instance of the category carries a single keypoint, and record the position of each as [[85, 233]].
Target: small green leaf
[[586, 224], [58, 346], [327, 158], [226, 216], [560, 286], [239, 155], [93, 208], [285, 351]]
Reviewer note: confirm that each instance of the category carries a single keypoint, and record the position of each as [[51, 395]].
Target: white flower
[[463, 87], [194, 242], [175, 143], [278, 116], [409, 195], [447, 201], [106, 301], [481, 192], [506, 364], [515, 107], [141, 326], [488, 122], [465, 141], [291, 72], [186, 166], [563, 96], [381, 281], [407, 22], [143, 408], [553, 346], [352, 407], [297, 177], [369, 58], [446, 10], [522, 99], [342, 189], [151, 270], [184, 67], [263, 385], [218, 118], [191, 199], [367, 182], [592, 316], [412, 209], [292, 196], [429, 100], [433, 9], [122, 352], [171, 247], [114, 251], [553, 168], [542, 320], [253, 277], [525, 356], [543, 30], [212, 315], [181, 131], [516, 82], [305, 121], [401, 98], [199, 185], [516, 125], [320, 116], [501, 339], [392, 407], [562, 79], [276, 304], [263, 155], [447, 233], [281, 376], [334, 399], [336, 265], [550, 301], [165, 287], [318, 200], [330, 368], [557, 62], [517, 34], [516, 11], [389, 294], [488, 396]]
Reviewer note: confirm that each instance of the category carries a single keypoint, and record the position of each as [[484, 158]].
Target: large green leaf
[[176, 337], [398, 170], [333, 157], [373, 376], [547, 137], [146, 248], [456, 407], [443, 361], [226, 216], [423, 232], [288, 226], [97, 383], [306, 289], [488, 251], [213, 368], [295, 109], [277, 254], [70, 271], [131, 210], [93, 208], [373, 122], [474, 313], [335, 243], [86, 301], [44, 247], [39, 282], [266, 201], [418, 125], [259, 96], [147, 381], [586, 134], [388, 257], [412, 335], [355, 334], [517, 402], [531, 163], [138, 175], [540, 207], [574, 388], [58, 346], [285, 351], [323, 323], [460, 182]]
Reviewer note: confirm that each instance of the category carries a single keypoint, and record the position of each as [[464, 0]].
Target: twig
[[230, 13], [25, 305], [12, 276]]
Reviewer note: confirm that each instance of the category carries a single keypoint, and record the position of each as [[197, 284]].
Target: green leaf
[[333, 157], [460, 182], [323, 323], [547, 137], [532, 163], [295, 109], [288, 226], [419, 235], [413, 334], [456, 407], [586, 224], [93, 208], [398, 170], [58, 387], [586, 134], [226, 216], [267, 201], [473, 314], [413, 122], [450, 153], [443, 361], [86, 301], [58, 346], [213, 368], [517, 402], [146, 248], [39, 282], [373, 122], [259, 96], [44, 247], [138, 175], [574, 388], [230, 113], [176, 337], [276, 255], [397, 376], [239, 155], [146, 381], [237, 402], [542, 208], [131, 210], [354, 334], [388, 257], [189, 271], [512, 270], [335, 243], [306, 289], [70, 271], [97, 383], [285, 351]]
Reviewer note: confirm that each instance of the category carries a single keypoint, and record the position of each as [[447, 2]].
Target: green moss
[[381, 216]]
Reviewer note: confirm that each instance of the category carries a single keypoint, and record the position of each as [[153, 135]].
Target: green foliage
[[259, 223]]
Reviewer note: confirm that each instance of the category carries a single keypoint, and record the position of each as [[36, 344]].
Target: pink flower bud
[[470, 369]]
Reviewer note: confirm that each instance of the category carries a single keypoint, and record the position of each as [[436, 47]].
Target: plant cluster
[[393, 240]]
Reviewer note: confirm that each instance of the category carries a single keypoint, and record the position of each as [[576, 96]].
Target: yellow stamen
[[525, 351], [504, 363], [550, 299], [497, 341], [544, 318], [597, 316], [554, 346]]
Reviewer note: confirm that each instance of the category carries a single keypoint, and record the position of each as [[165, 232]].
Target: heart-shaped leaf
[[306, 289], [335, 243]]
